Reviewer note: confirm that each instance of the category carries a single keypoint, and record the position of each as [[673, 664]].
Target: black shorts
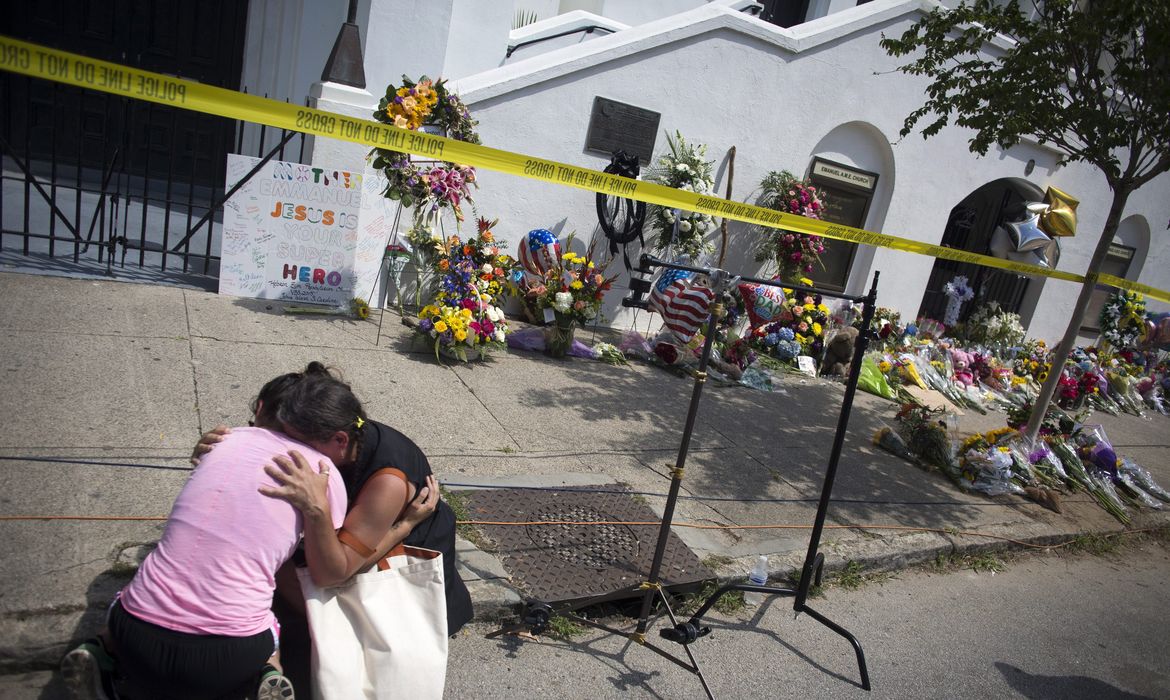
[[163, 663]]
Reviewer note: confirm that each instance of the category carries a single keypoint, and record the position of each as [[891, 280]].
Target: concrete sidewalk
[[107, 386]]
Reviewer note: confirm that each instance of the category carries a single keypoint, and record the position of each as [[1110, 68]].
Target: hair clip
[[360, 422]]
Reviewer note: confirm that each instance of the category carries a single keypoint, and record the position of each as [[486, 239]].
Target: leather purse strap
[[365, 551]]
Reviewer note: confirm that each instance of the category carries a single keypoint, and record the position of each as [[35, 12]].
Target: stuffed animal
[[962, 360], [839, 351]]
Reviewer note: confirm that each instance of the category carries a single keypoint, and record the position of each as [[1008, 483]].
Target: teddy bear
[[839, 351], [961, 360]]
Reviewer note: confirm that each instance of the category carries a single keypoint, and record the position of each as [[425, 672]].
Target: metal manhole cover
[[596, 546], [561, 562]]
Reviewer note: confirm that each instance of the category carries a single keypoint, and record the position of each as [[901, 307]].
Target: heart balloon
[[1001, 243], [539, 251], [1156, 334], [686, 310], [1052, 253], [763, 302]]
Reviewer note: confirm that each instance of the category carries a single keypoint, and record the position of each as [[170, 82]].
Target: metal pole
[[680, 463], [814, 541]]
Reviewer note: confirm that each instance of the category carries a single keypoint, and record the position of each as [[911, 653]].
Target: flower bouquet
[[684, 168], [1123, 319], [570, 292], [988, 466], [925, 435], [887, 325], [992, 326], [795, 254], [473, 276], [799, 328], [426, 186]]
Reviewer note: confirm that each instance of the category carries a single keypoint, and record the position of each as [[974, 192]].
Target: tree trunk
[[1064, 348]]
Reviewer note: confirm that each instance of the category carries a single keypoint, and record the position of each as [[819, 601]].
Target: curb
[[495, 599]]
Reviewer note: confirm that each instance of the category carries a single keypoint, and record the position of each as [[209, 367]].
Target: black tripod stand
[[537, 614]]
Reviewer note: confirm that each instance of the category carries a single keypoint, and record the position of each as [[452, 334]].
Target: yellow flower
[[817, 330], [806, 281], [440, 326], [460, 335], [360, 308], [465, 313], [576, 284]]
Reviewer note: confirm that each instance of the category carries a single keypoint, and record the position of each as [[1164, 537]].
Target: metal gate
[[91, 180]]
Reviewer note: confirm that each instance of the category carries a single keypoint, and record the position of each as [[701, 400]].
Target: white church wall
[[781, 96], [726, 79]]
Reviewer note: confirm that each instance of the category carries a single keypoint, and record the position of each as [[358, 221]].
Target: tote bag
[[382, 634]]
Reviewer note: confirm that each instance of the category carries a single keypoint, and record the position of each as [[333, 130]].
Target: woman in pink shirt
[[196, 620]]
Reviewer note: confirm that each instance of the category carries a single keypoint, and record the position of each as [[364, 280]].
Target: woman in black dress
[[382, 446]]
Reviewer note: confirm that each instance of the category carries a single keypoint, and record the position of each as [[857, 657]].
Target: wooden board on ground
[[933, 399]]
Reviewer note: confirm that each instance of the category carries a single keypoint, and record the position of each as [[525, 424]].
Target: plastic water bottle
[[758, 577]]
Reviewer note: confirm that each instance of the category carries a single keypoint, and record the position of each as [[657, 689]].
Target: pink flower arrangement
[[795, 254]]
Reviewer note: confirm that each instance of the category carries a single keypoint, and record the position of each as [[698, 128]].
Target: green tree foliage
[[1088, 77]]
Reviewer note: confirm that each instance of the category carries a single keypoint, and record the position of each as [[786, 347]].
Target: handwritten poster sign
[[300, 233]]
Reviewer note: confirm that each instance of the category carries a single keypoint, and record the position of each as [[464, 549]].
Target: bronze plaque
[[616, 126]]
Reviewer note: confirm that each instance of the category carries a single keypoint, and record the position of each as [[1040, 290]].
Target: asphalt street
[[1049, 625]]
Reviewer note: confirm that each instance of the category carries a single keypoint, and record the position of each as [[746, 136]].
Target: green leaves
[[1090, 78]]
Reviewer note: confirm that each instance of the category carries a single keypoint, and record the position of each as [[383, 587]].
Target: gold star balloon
[[1061, 217]]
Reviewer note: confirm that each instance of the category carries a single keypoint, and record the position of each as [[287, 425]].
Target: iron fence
[[108, 182]]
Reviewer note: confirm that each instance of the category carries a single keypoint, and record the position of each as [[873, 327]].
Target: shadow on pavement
[[98, 597], [1036, 686]]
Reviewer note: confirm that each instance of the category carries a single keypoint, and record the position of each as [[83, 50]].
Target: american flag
[[683, 306], [539, 251]]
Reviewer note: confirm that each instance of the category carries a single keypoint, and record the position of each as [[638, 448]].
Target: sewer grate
[[559, 562]]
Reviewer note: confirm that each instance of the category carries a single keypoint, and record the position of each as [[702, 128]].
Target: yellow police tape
[[72, 69]]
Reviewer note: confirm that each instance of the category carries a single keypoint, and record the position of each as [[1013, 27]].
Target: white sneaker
[[274, 686]]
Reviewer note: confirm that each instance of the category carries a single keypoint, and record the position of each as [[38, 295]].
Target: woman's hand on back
[[302, 486], [207, 441]]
